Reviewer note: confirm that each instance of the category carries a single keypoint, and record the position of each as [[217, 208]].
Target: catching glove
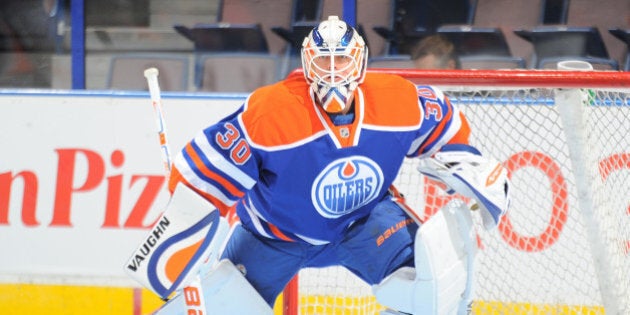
[[463, 169]]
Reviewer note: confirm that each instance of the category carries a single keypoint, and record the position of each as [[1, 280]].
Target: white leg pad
[[225, 291], [441, 283]]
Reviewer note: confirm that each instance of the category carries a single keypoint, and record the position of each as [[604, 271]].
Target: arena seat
[[225, 37], [481, 47], [391, 61], [475, 41], [410, 21], [555, 41], [126, 71], [623, 34], [491, 62], [230, 57], [235, 72]]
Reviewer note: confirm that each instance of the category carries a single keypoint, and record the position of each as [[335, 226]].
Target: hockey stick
[[151, 74], [193, 295]]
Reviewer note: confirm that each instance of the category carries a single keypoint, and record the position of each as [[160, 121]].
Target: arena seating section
[[483, 31], [488, 34]]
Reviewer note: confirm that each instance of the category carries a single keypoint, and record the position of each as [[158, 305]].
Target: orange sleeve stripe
[[279, 233], [223, 208], [438, 131], [176, 178], [462, 135], [206, 171]]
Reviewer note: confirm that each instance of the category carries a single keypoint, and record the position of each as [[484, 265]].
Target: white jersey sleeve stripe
[[256, 220], [196, 181]]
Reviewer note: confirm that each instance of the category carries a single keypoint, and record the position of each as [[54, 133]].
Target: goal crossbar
[[530, 78]]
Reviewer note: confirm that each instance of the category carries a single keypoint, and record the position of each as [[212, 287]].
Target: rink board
[[88, 159]]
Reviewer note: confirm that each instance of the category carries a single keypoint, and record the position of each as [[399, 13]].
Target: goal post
[[564, 247]]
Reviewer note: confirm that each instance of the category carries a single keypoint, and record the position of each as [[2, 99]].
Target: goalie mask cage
[[564, 247]]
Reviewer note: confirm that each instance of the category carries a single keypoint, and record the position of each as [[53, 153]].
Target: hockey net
[[565, 246]]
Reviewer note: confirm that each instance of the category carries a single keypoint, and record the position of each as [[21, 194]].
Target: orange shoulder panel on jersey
[[461, 137], [396, 101], [281, 113]]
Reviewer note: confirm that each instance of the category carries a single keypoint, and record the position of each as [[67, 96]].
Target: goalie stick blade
[[170, 254], [177, 244], [180, 264]]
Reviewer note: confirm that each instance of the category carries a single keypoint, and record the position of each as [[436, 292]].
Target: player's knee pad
[[441, 282], [225, 291]]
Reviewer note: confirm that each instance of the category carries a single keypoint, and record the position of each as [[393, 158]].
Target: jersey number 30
[[231, 140]]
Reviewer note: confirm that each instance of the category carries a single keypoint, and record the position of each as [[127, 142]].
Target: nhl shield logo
[[346, 185]]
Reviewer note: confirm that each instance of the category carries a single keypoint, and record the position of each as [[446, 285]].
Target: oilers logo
[[345, 185]]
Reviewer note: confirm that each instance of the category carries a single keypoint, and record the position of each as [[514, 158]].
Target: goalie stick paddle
[[151, 75]]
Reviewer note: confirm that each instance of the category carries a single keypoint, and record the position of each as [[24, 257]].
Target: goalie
[[308, 163]]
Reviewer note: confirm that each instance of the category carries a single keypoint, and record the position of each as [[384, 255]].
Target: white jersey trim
[[196, 181], [251, 211], [312, 241], [361, 112], [255, 217]]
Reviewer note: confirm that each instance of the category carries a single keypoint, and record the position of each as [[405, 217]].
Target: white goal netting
[[565, 246]]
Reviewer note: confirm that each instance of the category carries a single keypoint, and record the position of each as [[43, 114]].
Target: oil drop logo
[[345, 185]]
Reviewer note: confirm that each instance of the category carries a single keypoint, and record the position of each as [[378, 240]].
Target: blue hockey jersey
[[293, 174]]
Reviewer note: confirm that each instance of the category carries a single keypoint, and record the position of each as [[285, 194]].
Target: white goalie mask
[[334, 58]]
